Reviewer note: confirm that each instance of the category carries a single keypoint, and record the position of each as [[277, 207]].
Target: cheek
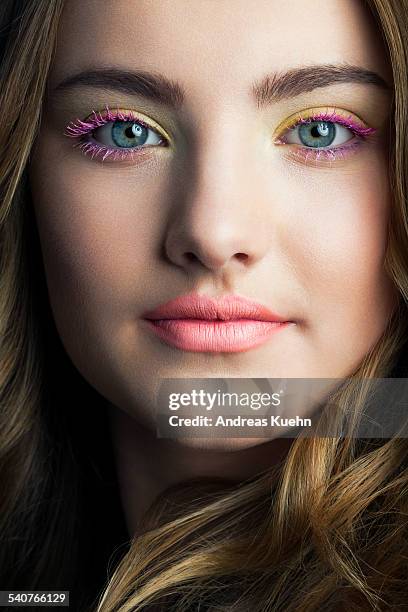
[[99, 229], [338, 245]]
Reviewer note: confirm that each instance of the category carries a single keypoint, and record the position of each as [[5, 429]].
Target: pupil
[[133, 130], [321, 129]]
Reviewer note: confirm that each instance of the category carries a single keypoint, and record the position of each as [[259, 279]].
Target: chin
[[220, 444]]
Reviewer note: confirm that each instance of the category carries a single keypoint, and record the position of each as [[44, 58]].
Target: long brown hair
[[324, 530]]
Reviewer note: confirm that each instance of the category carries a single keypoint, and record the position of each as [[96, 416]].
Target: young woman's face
[[232, 174]]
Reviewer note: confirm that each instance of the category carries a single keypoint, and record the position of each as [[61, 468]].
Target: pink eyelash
[[333, 154], [94, 150], [348, 122], [339, 152], [79, 129]]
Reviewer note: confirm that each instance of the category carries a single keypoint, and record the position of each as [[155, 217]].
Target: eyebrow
[[271, 88], [277, 87]]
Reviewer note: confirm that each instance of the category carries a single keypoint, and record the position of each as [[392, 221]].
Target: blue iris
[[317, 133], [126, 134]]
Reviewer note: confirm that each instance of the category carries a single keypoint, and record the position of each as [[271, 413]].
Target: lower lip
[[199, 335]]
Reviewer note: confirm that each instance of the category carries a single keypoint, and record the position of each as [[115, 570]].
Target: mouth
[[200, 323]]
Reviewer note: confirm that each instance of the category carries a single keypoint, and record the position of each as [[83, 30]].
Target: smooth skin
[[222, 210]]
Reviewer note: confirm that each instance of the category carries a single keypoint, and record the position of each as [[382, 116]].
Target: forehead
[[222, 44]]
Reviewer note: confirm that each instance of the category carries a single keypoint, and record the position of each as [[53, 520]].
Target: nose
[[217, 223]]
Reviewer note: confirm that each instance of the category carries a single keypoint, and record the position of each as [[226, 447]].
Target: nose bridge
[[215, 222], [217, 191]]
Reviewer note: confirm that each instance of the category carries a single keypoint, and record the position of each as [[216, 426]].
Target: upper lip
[[223, 308]]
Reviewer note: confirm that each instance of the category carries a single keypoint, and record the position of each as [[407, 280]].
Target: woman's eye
[[126, 135], [318, 134]]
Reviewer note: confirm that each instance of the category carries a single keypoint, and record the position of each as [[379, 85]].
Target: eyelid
[[324, 113], [99, 118]]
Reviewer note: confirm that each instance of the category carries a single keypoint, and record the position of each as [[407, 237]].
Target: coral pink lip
[[200, 323]]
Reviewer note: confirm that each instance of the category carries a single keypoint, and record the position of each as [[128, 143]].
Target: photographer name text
[[238, 421]]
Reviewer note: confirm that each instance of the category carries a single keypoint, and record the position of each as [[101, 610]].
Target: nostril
[[190, 256], [241, 256]]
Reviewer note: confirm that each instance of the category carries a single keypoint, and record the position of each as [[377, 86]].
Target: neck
[[146, 465]]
